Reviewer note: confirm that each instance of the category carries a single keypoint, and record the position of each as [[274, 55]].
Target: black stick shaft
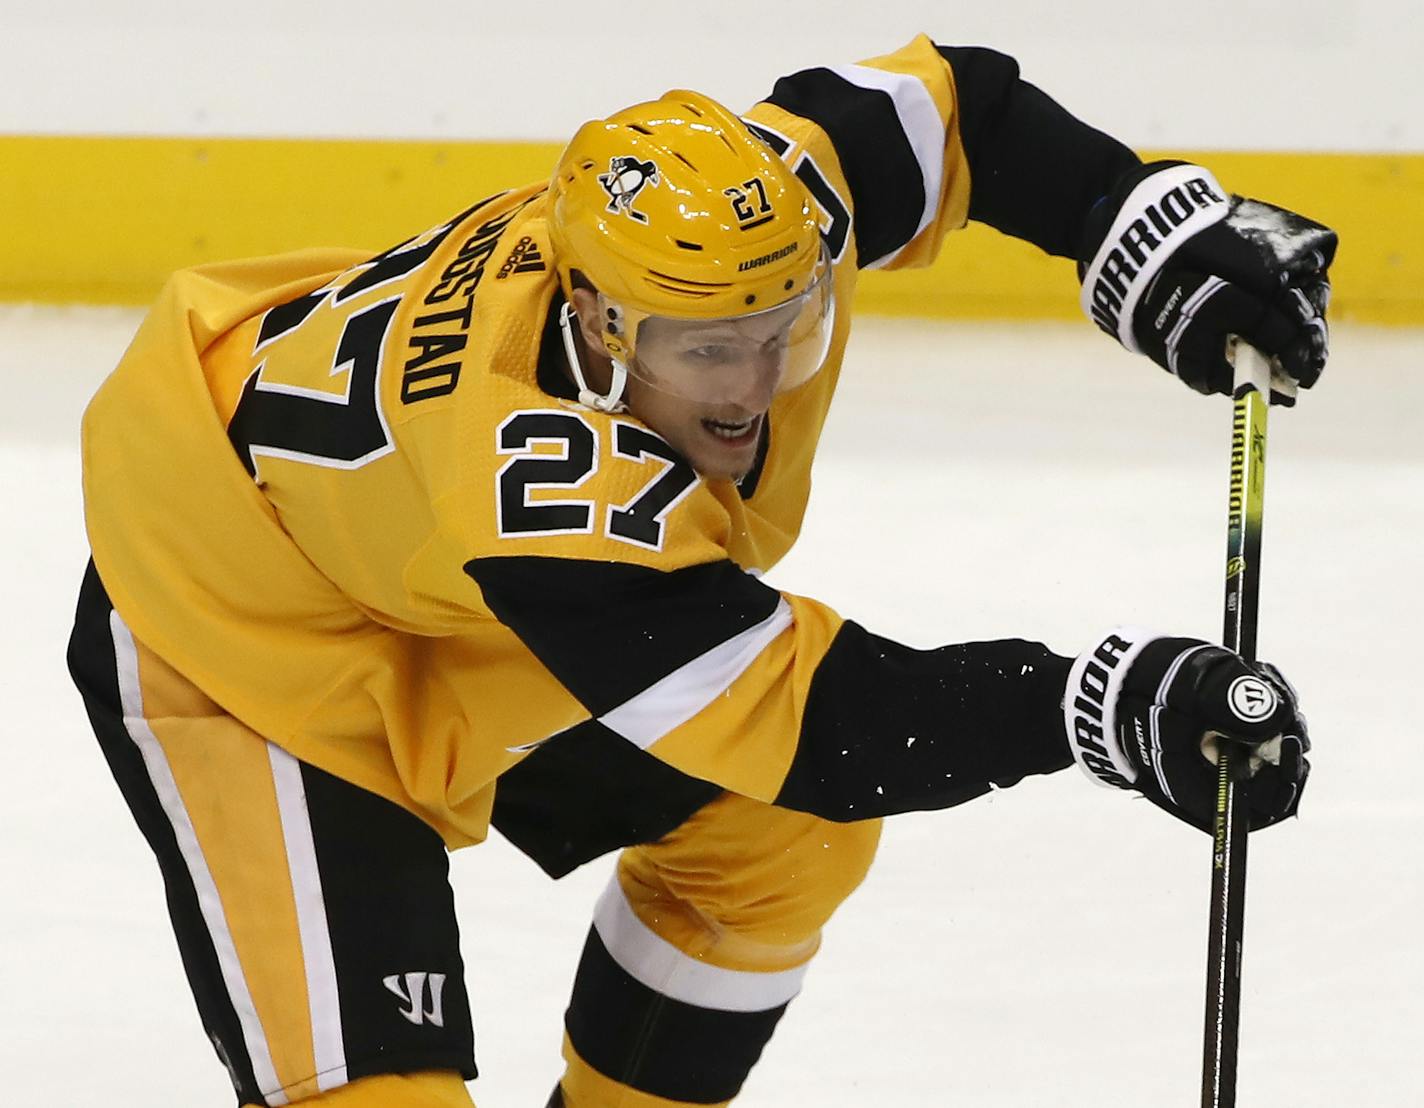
[[1228, 873]]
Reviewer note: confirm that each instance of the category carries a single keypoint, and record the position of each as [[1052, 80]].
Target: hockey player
[[387, 547]]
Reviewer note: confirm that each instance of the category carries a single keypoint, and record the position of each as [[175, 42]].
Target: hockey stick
[[1252, 394]]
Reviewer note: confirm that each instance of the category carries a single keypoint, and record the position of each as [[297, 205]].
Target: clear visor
[[741, 359]]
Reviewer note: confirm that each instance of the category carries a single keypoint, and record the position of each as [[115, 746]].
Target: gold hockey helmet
[[675, 212]]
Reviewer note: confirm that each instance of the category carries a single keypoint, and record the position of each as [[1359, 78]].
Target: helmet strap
[[612, 401]]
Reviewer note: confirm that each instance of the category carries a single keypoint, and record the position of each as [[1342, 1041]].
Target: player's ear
[[590, 325]]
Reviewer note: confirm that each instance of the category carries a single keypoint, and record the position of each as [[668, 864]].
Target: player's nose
[[755, 381]]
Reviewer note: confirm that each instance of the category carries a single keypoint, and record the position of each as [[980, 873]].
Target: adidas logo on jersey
[[525, 258]]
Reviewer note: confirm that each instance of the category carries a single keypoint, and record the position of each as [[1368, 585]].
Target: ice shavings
[[1281, 235]]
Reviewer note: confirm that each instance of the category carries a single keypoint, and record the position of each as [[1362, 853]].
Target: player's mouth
[[733, 432]]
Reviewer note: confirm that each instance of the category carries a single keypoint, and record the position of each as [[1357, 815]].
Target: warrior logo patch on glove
[[1251, 699]]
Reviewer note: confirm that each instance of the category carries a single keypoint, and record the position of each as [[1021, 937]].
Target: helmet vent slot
[[669, 279], [688, 245], [639, 128], [684, 161], [694, 289], [690, 293]]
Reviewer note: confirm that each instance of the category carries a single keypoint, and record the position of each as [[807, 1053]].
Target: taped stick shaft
[[1229, 829]]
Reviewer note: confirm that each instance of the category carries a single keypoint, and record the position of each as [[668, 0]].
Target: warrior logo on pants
[[413, 993]]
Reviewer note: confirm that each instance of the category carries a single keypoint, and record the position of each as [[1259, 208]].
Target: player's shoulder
[[840, 87], [474, 313], [838, 107], [869, 139]]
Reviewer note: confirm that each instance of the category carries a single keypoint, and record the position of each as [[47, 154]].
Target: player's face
[[735, 366], [706, 387]]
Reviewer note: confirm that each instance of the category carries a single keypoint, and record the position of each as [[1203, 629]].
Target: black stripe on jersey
[[657, 1045], [609, 630], [1035, 171], [93, 668], [886, 186], [589, 791], [390, 911], [891, 729]]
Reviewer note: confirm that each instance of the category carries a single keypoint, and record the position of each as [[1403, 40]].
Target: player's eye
[[710, 352]]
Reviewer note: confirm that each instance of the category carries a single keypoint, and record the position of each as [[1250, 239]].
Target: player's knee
[[426, 1089], [788, 895], [768, 876]]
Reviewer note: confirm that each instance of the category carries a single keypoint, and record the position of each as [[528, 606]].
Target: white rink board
[[1213, 74], [1042, 946]]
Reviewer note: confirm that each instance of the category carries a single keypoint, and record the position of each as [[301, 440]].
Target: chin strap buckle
[[610, 402]]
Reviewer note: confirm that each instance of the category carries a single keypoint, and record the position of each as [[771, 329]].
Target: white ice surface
[[1042, 946]]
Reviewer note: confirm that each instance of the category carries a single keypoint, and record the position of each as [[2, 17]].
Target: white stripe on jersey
[[323, 998], [209, 902], [685, 691], [652, 960], [920, 121]]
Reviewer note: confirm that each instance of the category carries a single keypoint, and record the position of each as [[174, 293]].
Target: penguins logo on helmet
[[626, 177]]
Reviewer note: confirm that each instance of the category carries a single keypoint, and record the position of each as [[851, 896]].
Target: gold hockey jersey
[[355, 501]]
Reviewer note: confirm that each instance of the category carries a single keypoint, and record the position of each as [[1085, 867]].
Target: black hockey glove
[[1173, 265], [1145, 712]]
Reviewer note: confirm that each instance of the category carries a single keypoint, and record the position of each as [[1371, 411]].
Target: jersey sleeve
[[1037, 169], [772, 695], [901, 149]]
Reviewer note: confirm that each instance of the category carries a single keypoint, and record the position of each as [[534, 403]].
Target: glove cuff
[[1164, 209], [1090, 705]]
